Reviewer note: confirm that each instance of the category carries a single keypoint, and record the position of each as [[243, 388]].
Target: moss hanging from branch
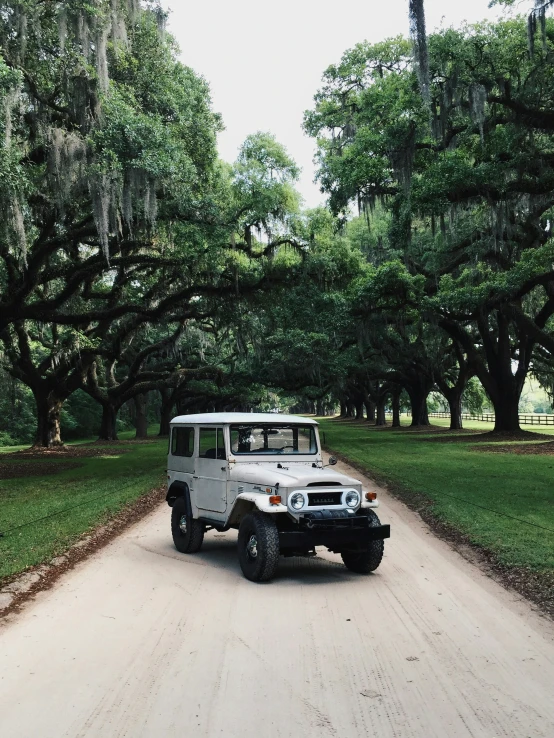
[[537, 19], [477, 105], [101, 47], [402, 160], [101, 195], [11, 100], [19, 28], [150, 202], [419, 37], [64, 123], [67, 153], [17, 226], [118, 31]]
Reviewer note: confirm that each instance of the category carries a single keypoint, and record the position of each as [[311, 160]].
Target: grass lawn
[[461, 482], [86, 496]]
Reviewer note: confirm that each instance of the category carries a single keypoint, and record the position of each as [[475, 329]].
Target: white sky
[[264, 59]]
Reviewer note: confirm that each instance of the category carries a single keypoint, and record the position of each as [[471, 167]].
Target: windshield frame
[[274, 453]]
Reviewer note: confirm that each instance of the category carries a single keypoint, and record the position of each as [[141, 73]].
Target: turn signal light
[[275, 500], [370, 496]]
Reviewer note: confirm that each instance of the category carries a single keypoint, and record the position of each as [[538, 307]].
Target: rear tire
[[258, 545], [366, 561], [188, 534]]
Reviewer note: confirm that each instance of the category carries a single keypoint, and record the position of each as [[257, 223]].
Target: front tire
[[367, 560], [188, 534], [258, 545]]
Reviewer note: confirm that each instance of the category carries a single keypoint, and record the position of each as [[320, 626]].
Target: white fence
[[529, 419]]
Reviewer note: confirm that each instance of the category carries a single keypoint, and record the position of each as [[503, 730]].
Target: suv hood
[[291, 475]]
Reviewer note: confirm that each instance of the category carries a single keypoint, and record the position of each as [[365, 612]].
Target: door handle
[[195, 477], [223, 468]]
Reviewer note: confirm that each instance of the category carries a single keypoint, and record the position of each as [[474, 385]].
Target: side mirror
[[332, 460]]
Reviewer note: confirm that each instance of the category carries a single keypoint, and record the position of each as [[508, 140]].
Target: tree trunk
[[494, 366], [141, 421], [503, 387], [351, 410], [418, 401], [506, 410], [370, 410], [359, 411], [108, 426], [396, 410], [166, 411], [343, 409], [455, 404], [48, 420], [381, 417]]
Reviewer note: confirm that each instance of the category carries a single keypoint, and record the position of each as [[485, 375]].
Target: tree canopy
[[468, 183], [134, 263]]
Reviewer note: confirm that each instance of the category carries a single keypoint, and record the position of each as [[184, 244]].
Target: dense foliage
[[466, 287], [122, 229], [141, 276]]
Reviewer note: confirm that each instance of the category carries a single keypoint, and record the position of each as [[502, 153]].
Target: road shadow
[[220, 551]]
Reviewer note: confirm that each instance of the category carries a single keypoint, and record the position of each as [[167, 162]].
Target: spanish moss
[[477, 104], [421, 54], [537, 19], [101, 191]]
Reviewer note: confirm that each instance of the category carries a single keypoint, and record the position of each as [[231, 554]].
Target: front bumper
[[337, 533]]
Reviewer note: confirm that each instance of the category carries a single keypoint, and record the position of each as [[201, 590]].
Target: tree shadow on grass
[[495, 437], [14, 470], [545, 448]]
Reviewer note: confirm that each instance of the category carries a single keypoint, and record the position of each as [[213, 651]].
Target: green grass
[[460, 483], [93, 492]]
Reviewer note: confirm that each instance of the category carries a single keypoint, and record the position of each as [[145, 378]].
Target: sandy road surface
[[141, 641]]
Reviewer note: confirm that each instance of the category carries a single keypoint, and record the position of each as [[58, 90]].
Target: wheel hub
[[252, 547], [183, 524]]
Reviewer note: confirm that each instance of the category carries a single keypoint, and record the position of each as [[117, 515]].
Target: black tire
[[366, 561], [258, 547], [187, 533]]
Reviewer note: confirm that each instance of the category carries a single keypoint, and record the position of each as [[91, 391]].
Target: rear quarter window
[[182, 442]]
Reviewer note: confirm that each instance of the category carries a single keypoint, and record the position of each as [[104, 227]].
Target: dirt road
[[141, 641]]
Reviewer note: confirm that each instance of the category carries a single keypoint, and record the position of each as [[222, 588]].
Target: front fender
[[262, 502], [367, 505]]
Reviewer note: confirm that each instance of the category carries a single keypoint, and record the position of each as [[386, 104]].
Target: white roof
[[242, 418]]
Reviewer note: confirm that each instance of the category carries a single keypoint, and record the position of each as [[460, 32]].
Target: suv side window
[[211, 444], [182, 442]]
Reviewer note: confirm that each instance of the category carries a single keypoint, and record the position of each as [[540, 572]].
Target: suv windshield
[[273, 439]]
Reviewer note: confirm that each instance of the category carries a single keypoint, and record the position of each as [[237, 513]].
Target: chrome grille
[[321, 499]]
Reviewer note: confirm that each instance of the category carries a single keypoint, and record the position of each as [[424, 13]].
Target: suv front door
[[211, 470]]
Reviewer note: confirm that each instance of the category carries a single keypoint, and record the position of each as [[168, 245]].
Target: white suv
[[264, 475]]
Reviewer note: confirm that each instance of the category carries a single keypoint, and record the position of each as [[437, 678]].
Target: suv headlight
[[352, 498], [297, 501]]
